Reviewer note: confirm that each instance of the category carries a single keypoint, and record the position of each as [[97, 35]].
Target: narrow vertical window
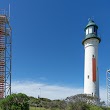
[[95, 30], [90, 29], [88, 76], [86, 31]]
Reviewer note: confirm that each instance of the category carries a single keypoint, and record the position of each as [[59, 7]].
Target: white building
[[91, 75]]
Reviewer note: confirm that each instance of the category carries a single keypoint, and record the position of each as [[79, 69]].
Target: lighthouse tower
[[91, 75]]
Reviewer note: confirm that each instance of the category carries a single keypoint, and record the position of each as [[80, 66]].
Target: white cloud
[[49, 91]]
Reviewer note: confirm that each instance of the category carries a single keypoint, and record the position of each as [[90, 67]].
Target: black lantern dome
[[91, 31]]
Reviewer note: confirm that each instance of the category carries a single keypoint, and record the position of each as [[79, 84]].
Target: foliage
[[37, 108], [15, 102], [83, 98], [39, 102], [78, 106], [85, 102], [78, 102]]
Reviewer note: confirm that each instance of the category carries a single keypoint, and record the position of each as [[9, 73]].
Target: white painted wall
[[91, 48]]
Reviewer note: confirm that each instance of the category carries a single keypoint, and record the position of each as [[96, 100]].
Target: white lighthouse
[[91, 75]]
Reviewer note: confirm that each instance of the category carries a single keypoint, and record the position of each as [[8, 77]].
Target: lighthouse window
[[88, 76], [95, 30], [90, 29], [86, 31]]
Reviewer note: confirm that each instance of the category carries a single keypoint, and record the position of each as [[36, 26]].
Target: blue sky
[[47, 39]]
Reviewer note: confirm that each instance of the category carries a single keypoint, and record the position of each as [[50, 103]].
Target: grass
[[37, 108]]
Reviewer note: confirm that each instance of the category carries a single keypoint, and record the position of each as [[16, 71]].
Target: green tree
[[95, 108], [15, 102], [78, 106]]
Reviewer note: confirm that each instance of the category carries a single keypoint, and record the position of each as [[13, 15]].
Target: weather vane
[[91, 18]]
